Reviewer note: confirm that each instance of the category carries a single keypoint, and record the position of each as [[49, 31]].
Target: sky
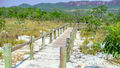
[[8, 3]]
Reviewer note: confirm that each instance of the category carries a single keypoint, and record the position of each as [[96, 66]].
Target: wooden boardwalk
[[61, 41], [50, 56]]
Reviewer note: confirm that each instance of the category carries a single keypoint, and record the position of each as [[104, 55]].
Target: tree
[[99, 11]]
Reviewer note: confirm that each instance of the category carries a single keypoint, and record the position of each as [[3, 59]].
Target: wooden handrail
[[65, 55], [9, 49], [26, 43]]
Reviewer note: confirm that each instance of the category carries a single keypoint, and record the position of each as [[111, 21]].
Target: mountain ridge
[[73, 5]]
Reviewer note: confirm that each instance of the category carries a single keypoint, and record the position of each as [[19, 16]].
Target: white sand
[[80, 60]]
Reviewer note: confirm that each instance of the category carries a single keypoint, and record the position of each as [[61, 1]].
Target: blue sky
[[8, 3]]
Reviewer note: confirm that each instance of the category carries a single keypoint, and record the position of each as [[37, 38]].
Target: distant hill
[[24, 5], [74, 5]]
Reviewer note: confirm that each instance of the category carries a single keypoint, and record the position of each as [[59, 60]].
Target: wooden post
[[75, 31], [55, 34], [67, 26], [58, 32], [31, 49], [73, 34], [8, 55], [43, 40], [63, 57], [63, 28], [51, 37], [68, 49], [70, 24], [71, 39]]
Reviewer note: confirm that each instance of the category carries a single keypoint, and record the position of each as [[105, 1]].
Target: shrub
[[93, 50], [87, 50], [112, 40], [86, 41], [0, 54], [87, 33], [2, 23]]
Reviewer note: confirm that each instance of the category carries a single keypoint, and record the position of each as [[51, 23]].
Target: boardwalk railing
[[68, 49], [8, 48]]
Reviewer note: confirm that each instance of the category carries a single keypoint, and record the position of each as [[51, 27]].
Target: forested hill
[[73, 5]]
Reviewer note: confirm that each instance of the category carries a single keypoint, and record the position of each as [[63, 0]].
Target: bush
[[2, 24], [92, 51], [112, 40], [86, 33], [0, 54]]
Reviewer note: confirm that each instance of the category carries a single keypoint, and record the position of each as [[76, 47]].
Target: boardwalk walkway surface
[[49, 57]]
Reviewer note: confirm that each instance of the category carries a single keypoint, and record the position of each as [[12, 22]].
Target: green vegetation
[[33, 14], [101, 26], [0, 54], [2, 24], [92, 51], [112, 41], [15, 22]]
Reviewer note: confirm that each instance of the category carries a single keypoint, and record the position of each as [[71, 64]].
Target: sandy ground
[[79, 60]]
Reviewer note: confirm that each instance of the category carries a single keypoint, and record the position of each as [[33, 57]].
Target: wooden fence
[[8, 49], [68, 49]]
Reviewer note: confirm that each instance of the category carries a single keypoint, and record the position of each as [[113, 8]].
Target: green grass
[[90, 50], [26, 27]]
